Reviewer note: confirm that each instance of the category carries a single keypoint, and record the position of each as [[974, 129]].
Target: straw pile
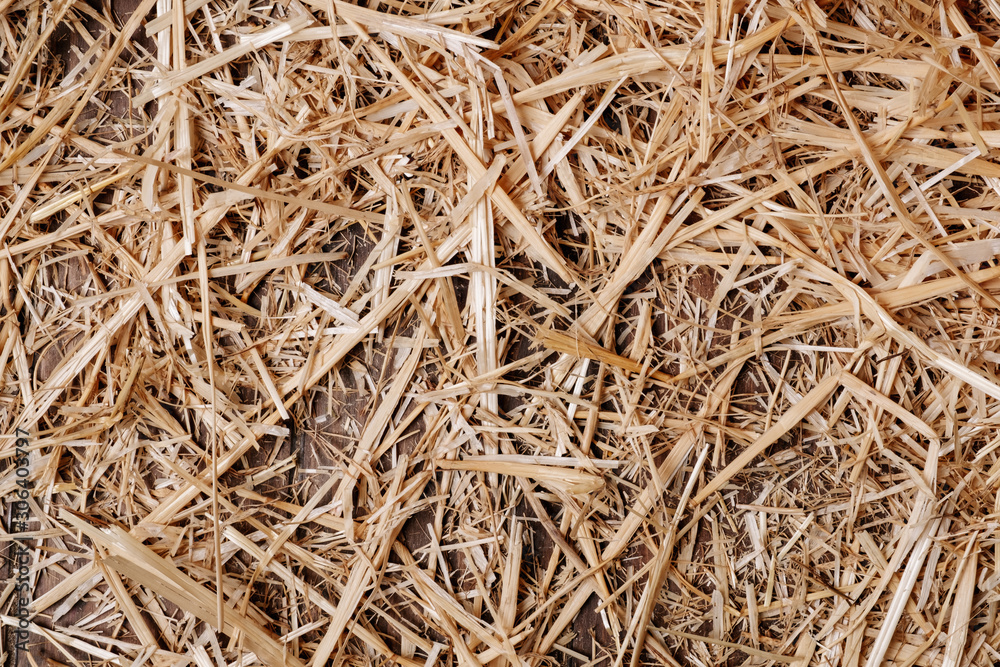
[[488, 333]]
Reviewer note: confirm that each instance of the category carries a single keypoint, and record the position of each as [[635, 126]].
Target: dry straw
[[502, 333]]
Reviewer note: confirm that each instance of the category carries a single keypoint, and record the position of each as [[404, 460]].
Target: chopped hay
[[495, 333]]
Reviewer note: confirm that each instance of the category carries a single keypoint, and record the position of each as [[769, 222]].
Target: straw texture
[[500, 333]]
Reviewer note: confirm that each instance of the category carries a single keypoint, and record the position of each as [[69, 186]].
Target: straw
[[497, 333]]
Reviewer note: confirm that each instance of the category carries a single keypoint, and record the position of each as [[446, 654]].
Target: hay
[[500, 333]]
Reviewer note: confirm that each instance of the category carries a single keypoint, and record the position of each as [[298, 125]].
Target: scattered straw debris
[[555, 332]]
